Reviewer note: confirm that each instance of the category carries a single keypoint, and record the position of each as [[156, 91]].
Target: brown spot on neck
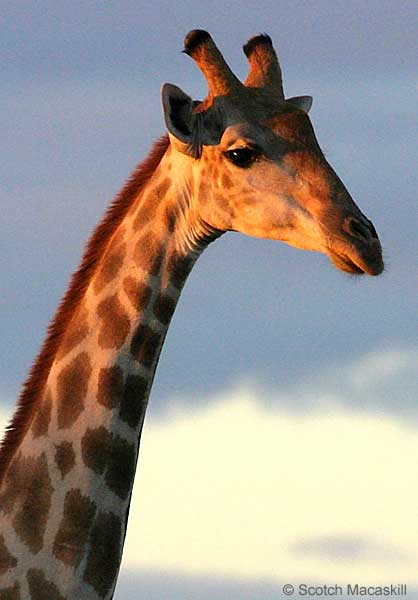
[[65, 457], [110, 386], [148, 253], [15, 480], [109, 268], [35, 503], [115, 323], [104, 556], [7, 560], [145, 345], [170, 218], [138, 292], [164, 307], [74, 529], [72, 386], [178, 268], [134, 402], [40, 588], [120, 471], [95, 449], [77, 330], [161, 188], [145, 212], [43, 416]]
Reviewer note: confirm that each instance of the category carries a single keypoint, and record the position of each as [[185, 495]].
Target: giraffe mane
[[80, 279]]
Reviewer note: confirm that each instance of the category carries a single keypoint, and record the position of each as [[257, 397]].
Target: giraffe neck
[[64, 498]]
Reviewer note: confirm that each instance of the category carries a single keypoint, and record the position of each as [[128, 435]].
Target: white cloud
[[383, 380], [238, 490], [382, 367]]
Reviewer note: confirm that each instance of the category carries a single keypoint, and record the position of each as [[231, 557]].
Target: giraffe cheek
[[218, 213], [264, 217]]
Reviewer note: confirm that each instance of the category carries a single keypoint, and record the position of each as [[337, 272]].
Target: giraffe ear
[[302, 102], [189, 130], [178, 112]]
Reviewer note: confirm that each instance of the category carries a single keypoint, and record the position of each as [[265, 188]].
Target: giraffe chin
[[359, 266]]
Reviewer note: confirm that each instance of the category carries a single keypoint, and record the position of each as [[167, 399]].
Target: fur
[[79, 282]]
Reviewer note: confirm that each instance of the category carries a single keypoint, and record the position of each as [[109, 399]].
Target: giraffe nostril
[[361, 229]]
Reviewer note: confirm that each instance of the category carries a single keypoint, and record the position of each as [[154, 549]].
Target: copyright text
[[353, 590]]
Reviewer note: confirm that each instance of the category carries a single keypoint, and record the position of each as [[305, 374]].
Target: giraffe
[[244, 159]]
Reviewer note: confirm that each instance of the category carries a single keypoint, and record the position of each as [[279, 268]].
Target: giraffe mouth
[[357, 264], [344, 263]]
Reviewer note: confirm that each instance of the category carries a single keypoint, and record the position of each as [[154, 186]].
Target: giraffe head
[[256, 165]]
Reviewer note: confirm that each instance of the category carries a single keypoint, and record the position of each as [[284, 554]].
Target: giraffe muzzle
[[360, 251]]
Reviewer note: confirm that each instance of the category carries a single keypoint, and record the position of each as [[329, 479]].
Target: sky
[[281, 440]]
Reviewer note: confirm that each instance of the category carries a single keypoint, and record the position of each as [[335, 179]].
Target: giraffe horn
[[265, 69], [221, 81]]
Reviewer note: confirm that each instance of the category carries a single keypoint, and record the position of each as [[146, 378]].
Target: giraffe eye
[[242, 157]]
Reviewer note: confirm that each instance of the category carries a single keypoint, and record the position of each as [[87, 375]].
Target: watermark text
[[353, 590]]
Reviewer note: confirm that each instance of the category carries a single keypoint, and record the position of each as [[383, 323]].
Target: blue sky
[[263, 332]]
